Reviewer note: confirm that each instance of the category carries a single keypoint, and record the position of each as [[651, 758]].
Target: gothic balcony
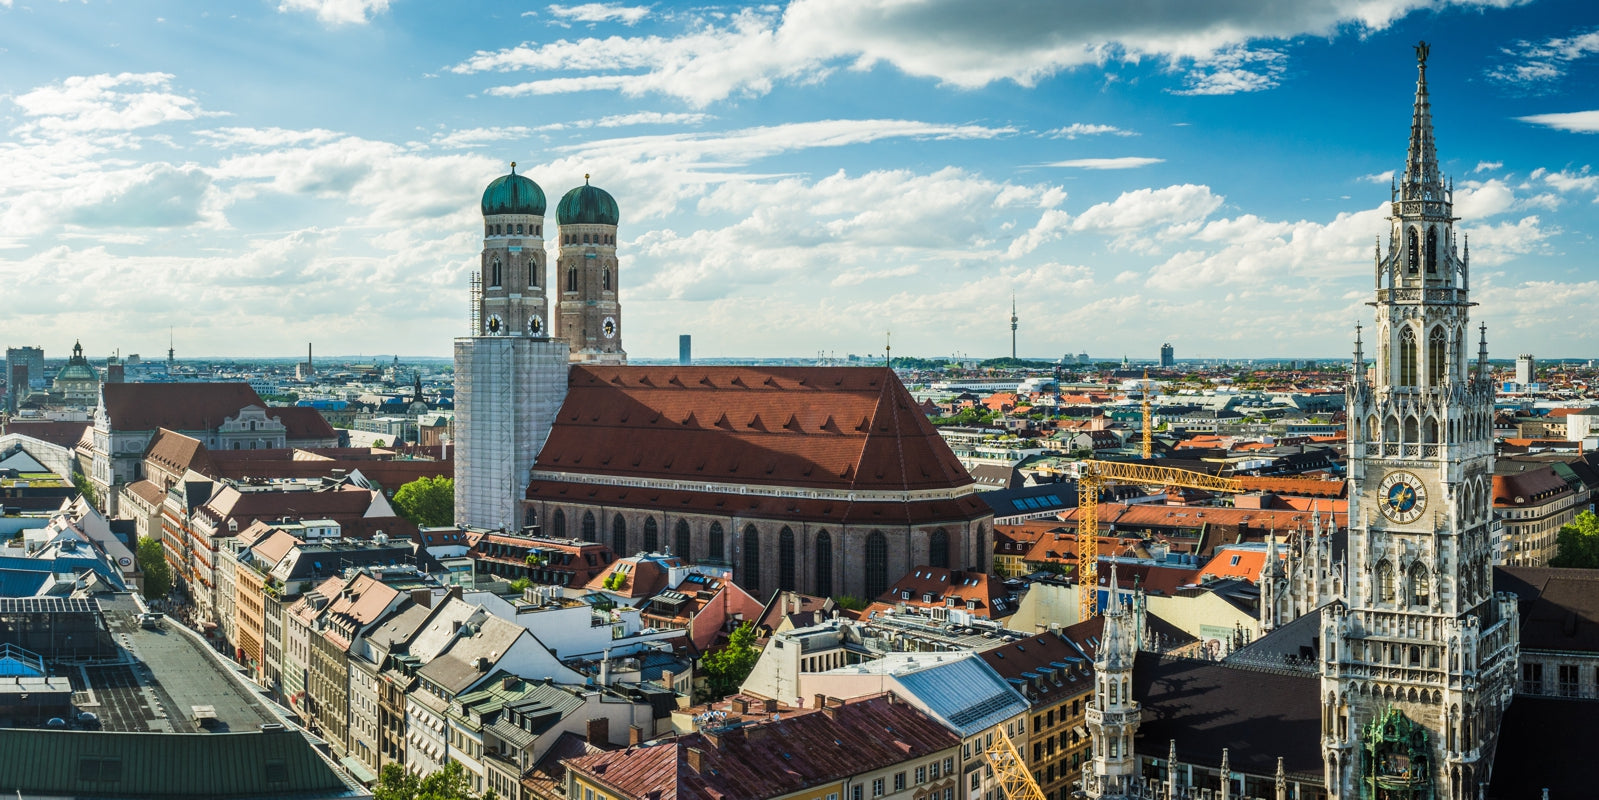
[[1122, 717]]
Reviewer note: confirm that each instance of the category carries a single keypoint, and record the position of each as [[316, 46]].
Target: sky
[[794, 179]]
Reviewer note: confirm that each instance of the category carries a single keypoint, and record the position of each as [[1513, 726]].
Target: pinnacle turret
[[1421, 164]]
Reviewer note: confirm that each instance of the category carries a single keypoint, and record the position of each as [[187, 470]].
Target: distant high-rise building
[[1168, 357], [685, 350], [23, 366], [1526, 370]]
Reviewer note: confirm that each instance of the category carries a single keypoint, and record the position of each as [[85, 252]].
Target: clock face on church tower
[[1402, 497]]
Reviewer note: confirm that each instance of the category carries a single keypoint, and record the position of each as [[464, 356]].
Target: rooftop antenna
[[888, 349]]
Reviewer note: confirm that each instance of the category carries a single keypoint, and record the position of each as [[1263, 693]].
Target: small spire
[[585, 179], [513, 167], [1421, 163]]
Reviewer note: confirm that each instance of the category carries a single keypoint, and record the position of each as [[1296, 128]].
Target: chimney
[[599, 731], [635, 735], [696, 760], [666, 678], [740, 705], [508, 682], [820, 700], [422, 597], [769, 705], [605, 668]]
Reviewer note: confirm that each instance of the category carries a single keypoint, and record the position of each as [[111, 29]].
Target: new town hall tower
[[1418, 657]]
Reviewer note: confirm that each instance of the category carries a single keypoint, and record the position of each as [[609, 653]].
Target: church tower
[[510, 377], [589, 319], [1113, 715], [1417, 662]]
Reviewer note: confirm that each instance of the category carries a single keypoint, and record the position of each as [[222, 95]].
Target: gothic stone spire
[[1421, 165]]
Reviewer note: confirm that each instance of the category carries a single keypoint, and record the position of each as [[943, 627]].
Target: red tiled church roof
[[847, 428], [177, 406]]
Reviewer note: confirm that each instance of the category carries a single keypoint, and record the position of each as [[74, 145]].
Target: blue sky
[[794, 178]]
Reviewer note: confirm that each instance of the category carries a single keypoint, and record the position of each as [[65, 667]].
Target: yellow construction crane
[[1013, 776], [1149, 428], [1092, 477]]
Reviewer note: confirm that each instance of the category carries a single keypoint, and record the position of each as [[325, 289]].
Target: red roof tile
[[61, 434], [850, 428], [177, 406]]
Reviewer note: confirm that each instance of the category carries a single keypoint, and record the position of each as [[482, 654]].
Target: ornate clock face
[[494, 325], [1402, 497], [535, 325], [609, 327]]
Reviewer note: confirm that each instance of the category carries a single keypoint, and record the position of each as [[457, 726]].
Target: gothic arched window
[[1437, 343], [1432, 249], [558, 527], [494, 272], [519, 228], [876, 565], [1407, 357], [652, 537], [619, 535], [1420, 585], [1385, 581], [752, 559], [824, 565], [938, 549], [1412, 250], [785, 559], [684, 540], [589, 527], [605, 279], [571, 280], [713, 543], [532, 272]]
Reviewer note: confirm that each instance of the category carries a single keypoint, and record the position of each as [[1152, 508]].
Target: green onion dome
[[587, 205], [513, 194]]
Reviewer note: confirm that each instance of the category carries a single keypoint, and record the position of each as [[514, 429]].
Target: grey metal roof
[[959, 688]]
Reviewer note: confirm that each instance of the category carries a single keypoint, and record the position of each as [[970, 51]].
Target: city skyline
[[791, 180]]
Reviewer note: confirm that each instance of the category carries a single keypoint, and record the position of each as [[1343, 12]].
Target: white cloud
[[1274, 254], [1379, 177], [1536, 65], [1582, 180], [1236, 70], [1499, 244], [479, 137], [338, 12], [261, 138], [962, 43], [1482, 166], [1574, 121], [1126, 162], [1483, 199], [650, 118], [1146, 208], [105, 102], [601, 12], [1077, 129]]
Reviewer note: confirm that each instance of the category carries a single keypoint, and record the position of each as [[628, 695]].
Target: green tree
[[379, 443], [850, 602], [153, 563], [449, 783], [429, 502], [1577, 544], [86, 488], [520, 585], [726, 668]]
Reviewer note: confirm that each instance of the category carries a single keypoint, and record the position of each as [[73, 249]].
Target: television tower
[[1013, 326]]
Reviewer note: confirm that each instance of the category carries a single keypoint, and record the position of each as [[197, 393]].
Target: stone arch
[[619, 535], [558, 524], [1429, 430], [1385, 581], [1407, 356], [1390, 428], [1432, 248], [1437, 355], [684, 545], [938, 549], [752, 559], [590, 527], [1412, 251], [876, 565], [823, 570], [652, 535], [715, 543], [1412, 430], [786, 561], [1420, 585]]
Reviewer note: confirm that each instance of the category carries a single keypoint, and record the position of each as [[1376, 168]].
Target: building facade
[[1418, 663]]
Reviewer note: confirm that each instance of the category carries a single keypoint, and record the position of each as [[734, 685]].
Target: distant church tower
[[510, 376], [589, 319], [1417, 663]]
